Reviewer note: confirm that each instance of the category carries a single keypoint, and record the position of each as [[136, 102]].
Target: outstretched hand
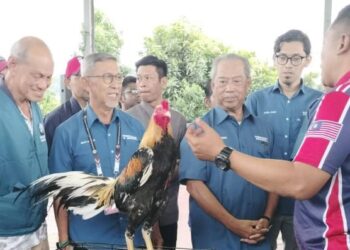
[[205, 143]]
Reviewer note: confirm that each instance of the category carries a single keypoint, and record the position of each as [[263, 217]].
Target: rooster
[[140, 190]]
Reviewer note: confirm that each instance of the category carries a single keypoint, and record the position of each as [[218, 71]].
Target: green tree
[[107, 38], [189, 54], [49, 102], [311, 79]]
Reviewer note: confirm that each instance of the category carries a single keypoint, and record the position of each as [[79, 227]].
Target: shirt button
[[287, 119], [288, 101], [286, 136], [109, 134], [285, 153], [112, 151]]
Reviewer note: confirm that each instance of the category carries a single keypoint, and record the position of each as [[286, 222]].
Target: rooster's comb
[[165, 104]]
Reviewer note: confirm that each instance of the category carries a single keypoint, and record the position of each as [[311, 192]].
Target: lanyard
[[94, 149]]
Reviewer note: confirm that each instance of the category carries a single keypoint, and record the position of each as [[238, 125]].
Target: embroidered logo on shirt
[[84, 142], [328, 130], [268, 112], [129, 137], [261, 139], [304, 113]]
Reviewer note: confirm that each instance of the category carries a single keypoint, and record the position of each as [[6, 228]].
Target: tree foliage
[[189, 54], [49, 102], [107, 39]]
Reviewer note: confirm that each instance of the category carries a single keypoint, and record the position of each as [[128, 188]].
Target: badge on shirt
[[42, 132]]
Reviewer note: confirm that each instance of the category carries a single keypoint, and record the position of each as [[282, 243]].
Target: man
[[79, 99], [23, 148], [319, 174], [284, 106], [130, 96], [98, 140], [151, 82], [226, 212], [3, 66]]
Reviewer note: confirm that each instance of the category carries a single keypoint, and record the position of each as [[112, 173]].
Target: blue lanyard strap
[[94, 149]]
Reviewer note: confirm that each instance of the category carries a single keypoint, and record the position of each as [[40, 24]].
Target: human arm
[[294, 179], [61, 217], [209, 203]]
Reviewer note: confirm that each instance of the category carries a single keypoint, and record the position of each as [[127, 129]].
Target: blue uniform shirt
[[241, 198], [285, 116], [71, 152]]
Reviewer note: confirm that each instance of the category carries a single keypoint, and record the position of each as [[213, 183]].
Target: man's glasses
[[295, 60], [131, 91], [109, 78]]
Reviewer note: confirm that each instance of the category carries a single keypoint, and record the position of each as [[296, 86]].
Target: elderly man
[[227, 212], [100, 140], [319, 175], [23, 148]]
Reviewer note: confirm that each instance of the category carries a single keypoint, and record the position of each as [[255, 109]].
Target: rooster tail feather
[[81, 193]]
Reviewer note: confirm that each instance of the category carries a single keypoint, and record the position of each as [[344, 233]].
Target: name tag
[[261, 139], [268, 112], [129, 137]]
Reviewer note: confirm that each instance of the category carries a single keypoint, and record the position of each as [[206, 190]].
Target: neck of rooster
[[153, 134]]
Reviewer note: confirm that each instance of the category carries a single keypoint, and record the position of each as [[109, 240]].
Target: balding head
[[29, 46], [30, 68]]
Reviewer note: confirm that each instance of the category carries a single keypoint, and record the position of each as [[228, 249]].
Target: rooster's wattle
[[140, 190]]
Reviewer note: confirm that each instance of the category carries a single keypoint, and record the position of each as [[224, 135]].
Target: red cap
[[73, 66], [3, 64]]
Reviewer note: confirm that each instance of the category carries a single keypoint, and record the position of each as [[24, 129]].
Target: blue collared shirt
[[285, 116], [239, 197], [71, 151]]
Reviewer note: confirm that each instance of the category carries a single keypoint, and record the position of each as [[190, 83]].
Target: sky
[[242, 24]]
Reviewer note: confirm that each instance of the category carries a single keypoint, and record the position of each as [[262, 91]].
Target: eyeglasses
[[131, 91], [295, 60], [235, 81], [109, 78]]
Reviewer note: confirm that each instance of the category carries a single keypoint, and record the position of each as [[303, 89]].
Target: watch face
[[222, 164]]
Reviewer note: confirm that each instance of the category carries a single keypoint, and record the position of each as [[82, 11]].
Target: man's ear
[[344, 43], [67, 83], [308, 60], [163, 82]]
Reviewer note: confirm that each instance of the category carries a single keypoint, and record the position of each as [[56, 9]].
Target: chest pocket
[[262, 146], [83, 158]]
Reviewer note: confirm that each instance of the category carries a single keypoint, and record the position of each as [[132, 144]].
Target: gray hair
[[90, 61], [230, 56]]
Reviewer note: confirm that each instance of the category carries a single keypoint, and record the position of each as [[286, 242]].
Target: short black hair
[[127, 80], [293, 36], [161, 66], [207, 89]]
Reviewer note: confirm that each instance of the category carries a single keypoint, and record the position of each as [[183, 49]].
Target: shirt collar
[[277, 88], [5, 89], [92, 117], [74, 104], [344, 79], [221, 115]]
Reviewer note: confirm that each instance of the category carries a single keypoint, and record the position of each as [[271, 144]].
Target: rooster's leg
[[146, 234], [129, 238]]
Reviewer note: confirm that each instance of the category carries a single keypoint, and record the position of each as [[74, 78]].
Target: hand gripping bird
[[140, 190]]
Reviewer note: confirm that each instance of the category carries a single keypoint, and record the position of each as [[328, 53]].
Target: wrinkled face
[[77, 86], [296, 60], [230, 85], [104, 84], [328, 59], [33, 74], [150, 85], [130, 96]]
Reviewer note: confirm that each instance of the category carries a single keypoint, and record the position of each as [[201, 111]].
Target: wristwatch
[[62, 244], [222, 160]]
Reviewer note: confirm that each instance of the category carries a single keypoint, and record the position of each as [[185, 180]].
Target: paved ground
[[184, 238]]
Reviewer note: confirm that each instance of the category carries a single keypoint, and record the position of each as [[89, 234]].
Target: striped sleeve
[[326, 144]]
